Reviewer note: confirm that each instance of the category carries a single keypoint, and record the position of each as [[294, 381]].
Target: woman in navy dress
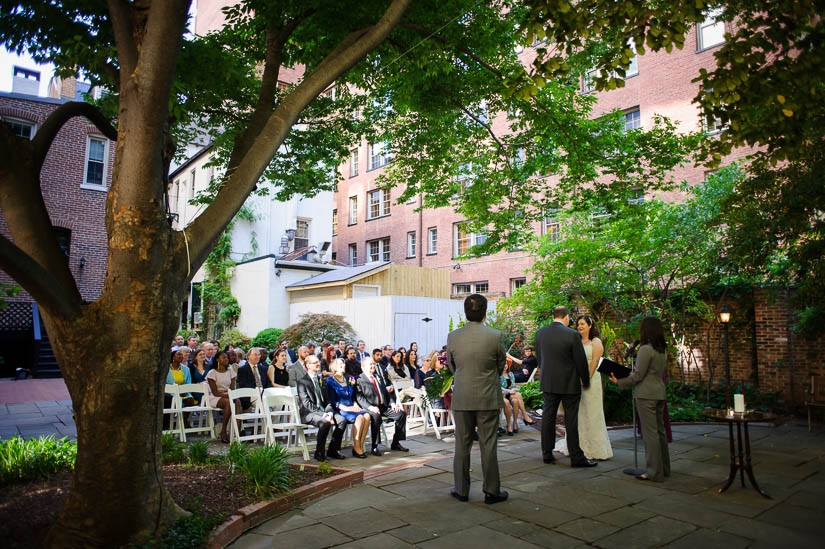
[[341, 395]]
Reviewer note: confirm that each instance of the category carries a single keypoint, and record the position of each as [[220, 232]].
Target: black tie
[[319, 394]]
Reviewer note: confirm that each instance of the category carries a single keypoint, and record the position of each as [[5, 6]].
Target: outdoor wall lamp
[[457, 266], [81, 263], [724, 315]]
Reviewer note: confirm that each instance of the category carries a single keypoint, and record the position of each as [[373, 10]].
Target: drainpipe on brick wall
[[790, 339], [754, 349], [421, 240]]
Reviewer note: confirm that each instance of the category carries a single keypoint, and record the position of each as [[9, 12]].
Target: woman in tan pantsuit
[[649, 389]]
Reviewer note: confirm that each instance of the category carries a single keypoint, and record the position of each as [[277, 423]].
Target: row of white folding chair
[[414, 407], [177, 425], [435, 415]]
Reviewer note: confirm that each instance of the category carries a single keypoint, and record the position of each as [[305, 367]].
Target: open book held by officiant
[[607, 366]]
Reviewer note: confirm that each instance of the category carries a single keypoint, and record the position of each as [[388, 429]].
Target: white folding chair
[[414, 408], [254, 418], [435, 420], [275, 405], [206, 421], [176, 418]]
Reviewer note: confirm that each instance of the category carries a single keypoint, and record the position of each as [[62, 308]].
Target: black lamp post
[[724, 319]]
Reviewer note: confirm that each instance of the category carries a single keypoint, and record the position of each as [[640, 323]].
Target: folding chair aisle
[[255, 418]]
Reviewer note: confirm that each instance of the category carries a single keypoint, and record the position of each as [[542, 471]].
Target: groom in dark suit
[[475, 354], [564, 372]]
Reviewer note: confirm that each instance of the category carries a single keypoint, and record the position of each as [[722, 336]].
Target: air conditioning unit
[[197, 317]]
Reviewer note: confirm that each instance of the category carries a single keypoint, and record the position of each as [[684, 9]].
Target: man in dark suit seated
[[316, 410], [372, 396], [251, 377]]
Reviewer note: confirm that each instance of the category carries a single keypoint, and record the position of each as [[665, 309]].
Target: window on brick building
[[378, 203], [353, 210], [411, 244], [432, 240], [301, 233], [353, 163], [632, 119], [21, 128], [353, 254], [334, 222], [711, 31], [516, 283], [379, 155], [64, 239], [462, 289], [379, 250], [637, 196], [633, 68], [463, 239], [589, 81], [97, 150], [550, 225], [466, 288]]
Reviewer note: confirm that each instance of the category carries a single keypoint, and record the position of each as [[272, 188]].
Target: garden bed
[[28, 510]]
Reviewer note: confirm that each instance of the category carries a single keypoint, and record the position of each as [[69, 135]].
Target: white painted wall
[[392, 319]]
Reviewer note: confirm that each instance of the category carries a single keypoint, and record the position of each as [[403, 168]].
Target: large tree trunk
[[116, 383]]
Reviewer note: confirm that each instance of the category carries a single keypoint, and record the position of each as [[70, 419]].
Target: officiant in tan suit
[[475, 354]]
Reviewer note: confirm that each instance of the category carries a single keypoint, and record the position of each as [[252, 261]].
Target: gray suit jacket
[[296, 371], [647, 377], [475, 354], [560, 354]]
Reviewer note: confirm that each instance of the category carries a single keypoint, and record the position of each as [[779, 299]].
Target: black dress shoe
[[549, 461], [319, 456], [356, 454], [501, 430], [490, 499], [336, 454], [509, 433], [458, 496], [398, 448], [376, 452], [475, 435], [585, 463]]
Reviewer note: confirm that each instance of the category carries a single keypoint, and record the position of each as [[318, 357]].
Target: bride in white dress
[[593, 437]]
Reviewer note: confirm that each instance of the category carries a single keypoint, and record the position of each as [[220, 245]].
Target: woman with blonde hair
[[341, 395]]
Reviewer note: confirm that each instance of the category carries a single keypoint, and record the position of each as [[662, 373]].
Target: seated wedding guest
[[403, 352], [311, 348], [178, 375], [341, 395], [317, 410], [385, 357], [650, 394], [198, 370], [229, 347], [513, 402], [178, 342], [240, 356], [221, 379], [528, 364], [372, 396], [395, 369], [185, 352], [297, 369], [278, 373], [411, 361], [361, 350], [291, 355], [233, 360], [414, 346], [329, 356], [353, 367], [341, 351], [251, 375]]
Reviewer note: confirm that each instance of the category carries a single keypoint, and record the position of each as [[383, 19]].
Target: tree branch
[[39, 282], [240, 181], [427, 33], [48, 131], [127, 51]]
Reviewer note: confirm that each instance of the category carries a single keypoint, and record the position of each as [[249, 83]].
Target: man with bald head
[[298, 369]]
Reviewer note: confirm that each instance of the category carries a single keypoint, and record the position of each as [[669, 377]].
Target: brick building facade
[[74, 180]]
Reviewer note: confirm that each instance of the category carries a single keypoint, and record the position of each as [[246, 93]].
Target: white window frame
[[92, 186], [588, 82], [432, 240], [352, 251], [382, 250], [22, 122], [334, 221], [353, 210], [353, 162], [630, 112], [550, 224], [514, 282], [474, 239], [633, 68], [474, 287], [378, 155], [382, 202], [711, 20], [307, 223], [411, 242]]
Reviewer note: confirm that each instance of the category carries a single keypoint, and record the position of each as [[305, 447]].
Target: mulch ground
[[27, 511]]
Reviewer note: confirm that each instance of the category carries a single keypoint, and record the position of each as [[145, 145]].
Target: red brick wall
[[70, 206]]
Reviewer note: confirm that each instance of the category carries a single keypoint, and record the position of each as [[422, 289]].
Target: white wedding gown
[[593, 437]]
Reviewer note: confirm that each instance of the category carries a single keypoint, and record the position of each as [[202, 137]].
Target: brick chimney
[[63, 88]]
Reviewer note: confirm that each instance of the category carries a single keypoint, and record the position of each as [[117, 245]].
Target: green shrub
[[318, 327], [532, 395], [235, 338], [190, 532], [618, 403], [173, 450], [183, 332], [36, 459], [237, 453], [267, 470], [199, 453], [268, 338]]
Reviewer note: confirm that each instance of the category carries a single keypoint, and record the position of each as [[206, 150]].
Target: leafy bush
[[235, 338], [172, 450], [199, 453], [318, 327], [267, 470], [237, 454], [184, 333], [190, 532], [532, 395], [618, 404], [23, 460], [268, 338]]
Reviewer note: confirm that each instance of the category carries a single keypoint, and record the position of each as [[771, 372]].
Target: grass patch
[[36, 459]]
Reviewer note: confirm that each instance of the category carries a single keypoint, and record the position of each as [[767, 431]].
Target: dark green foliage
[[173, 450], [198, 452], [532, 395], [618, 404], [318, 327], [190, 532], [439, 384], [35, 459], [268, 338], [267, 470], [237, 454]]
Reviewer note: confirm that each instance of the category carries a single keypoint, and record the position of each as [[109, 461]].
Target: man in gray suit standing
[[564, 371], [475, 354]]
